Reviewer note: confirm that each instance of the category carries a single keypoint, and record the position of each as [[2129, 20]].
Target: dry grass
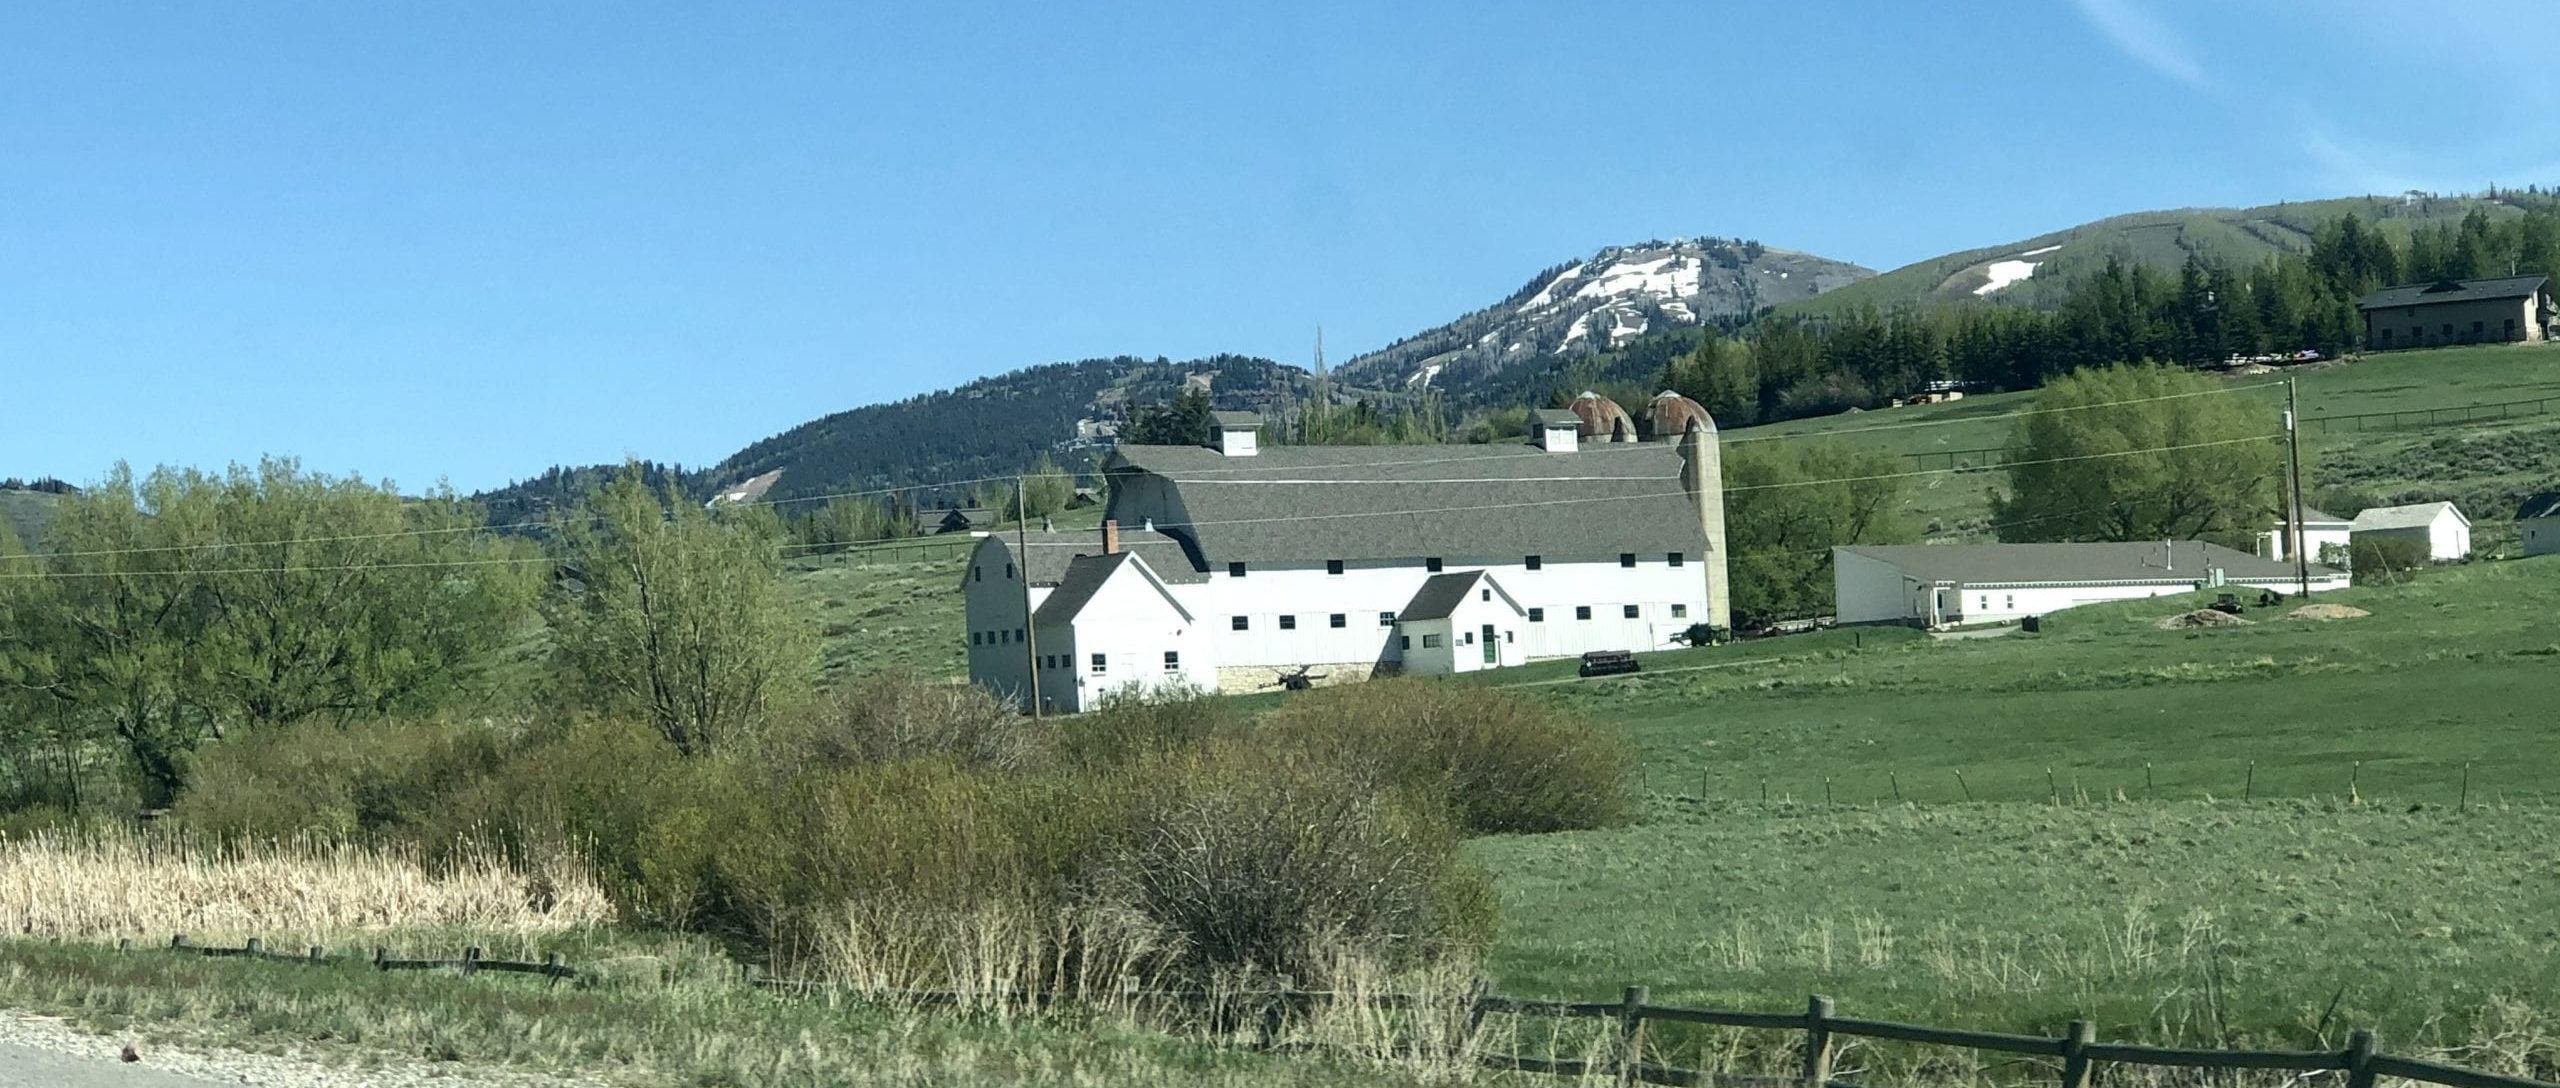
[[105, 884]]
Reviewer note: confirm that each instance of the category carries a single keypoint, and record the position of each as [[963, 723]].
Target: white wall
[[1869, 590], [1433, 653], [2272, 542], [991, 587], [2448, 537], [1467, 632], [1996, 604], [1131, 626], [2541, 536], [1364, 589]]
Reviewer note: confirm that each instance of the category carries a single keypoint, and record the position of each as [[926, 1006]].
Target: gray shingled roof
[[1235, 420], [2542, 505], [1491, 503], [2414, 516], [1440, 596], [2428, 294], [1554, 417], [1053, 552], [1084, 577], [2024, 564]]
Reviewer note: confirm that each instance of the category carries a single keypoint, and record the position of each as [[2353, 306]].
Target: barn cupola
[[1555, 430], [1234, 433]]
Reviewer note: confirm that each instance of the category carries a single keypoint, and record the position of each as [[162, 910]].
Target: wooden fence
[[2076, 1053], [2413, 418], [470, 962]]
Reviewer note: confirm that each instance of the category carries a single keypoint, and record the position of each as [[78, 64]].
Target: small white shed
[[1461, 621], [1946, 585], [2538, 524], [1112, 625], [2446, 533], [2320, 534]]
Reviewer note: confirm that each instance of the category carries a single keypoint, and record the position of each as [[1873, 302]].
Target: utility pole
[[2293, 457], [1022, 566]]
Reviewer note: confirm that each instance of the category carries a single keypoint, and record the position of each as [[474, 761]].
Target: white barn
[[1271, 559], [2538, 524], [2443, 529], [2324, 536], [1946, 585]]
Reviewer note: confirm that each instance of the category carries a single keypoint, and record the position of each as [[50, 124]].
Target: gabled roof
[[2312, 518], [1305, 504], [2417, 516], [2428, 294], [1052, 552], [1085, 577], [2539, 505], [1234, 421], [2024, 564], [1553, 417], [1442, 594]]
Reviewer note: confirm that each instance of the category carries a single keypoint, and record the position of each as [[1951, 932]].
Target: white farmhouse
[[2324, 537], [1246, 562], [2443, 529], [2538, 523], [1945, 585]]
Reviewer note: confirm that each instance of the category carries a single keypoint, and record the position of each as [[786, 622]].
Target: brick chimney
[[1110, 538]]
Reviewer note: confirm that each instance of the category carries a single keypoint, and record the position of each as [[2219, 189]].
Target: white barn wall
[[1131, 626], [1869, 590], [991, 589], [2539, 536], [1366, 588]]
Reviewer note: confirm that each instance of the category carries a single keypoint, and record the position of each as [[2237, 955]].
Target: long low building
[[1229, 565], [1946, 585]]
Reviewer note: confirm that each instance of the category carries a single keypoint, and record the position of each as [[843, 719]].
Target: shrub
[[1131, 725], [1502, 762], [899, 715], [2386, 557], [1267, 860], [369, 779]]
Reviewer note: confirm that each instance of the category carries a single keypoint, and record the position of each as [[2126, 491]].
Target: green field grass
[[2071, 837]]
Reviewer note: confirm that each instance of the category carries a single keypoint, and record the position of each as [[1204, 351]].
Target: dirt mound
[[2326, 612], [2202, 617]]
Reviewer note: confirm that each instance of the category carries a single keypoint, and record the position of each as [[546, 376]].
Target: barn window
[[1404, 642], [1626, 559], [1582, 611], [1337, 620], [1506, 636], [1986, 602], [973, 637], [1430, 642], [1288, 623], [1173, 661], [1487, 594], [1677, 558], [1537, 615], [1100, 665], [2009, 601], [1235, 570], [1679, 611], [1239, 623], [1008, 572], [1019, 636], [1386, 619], [1432, 565], [1634, 611], [1530, 562], [977, 574], [1333, 566]]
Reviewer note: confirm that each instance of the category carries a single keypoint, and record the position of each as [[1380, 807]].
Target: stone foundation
[[1247, 679]]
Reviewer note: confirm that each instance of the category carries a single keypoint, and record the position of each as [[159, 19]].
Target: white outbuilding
[[2443, 529], [1946, 585], [1460, 622], [2538, 524], [2324, 537]]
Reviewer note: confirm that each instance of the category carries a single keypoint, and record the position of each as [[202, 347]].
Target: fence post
[[1630, 1033], [1817, 1041], [318, 953], [255, 948], [2360, 1059], [380, 954], [2075, 1054], [124, 944], [470, 959]]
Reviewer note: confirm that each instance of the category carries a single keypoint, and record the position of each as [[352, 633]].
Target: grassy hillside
[[2482, 458], [2134, 884], [2161, 239], [25, 513]]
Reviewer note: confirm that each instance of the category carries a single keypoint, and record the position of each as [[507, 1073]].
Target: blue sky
[[467, 241]]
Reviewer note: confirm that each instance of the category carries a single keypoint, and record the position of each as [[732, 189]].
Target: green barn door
[[1492, 649]]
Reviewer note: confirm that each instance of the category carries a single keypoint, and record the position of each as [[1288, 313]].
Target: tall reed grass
[[140, 884]]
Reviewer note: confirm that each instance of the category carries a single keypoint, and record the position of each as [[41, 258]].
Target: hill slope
[[2034, 271], [1590, 305]]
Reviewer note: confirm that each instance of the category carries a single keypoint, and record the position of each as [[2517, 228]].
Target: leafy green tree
[[2140, 453], [1182, 422], [1045, 490], [1787, 504], [677, 616]]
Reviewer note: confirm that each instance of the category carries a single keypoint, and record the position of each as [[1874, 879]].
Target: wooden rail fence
[[2077, 1053], [470, 962]]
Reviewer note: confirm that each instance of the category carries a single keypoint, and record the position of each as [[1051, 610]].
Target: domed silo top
[[1671, 415], [1602, 419]]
